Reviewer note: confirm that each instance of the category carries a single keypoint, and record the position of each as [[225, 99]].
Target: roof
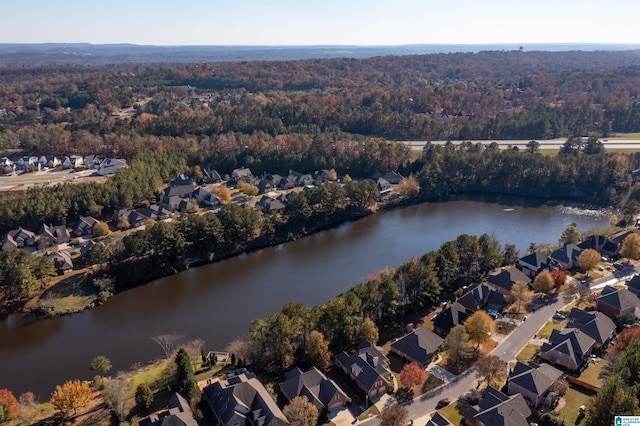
[[508, 277], [535, 378], [634, 283], [178, 414], [498, 409], [243, 399], [312, 384], [368, 364], [452, 316], [620, 299], [571, 342], [418, 345], [620, 238], [438, 420], [594, 324], [568, 253], [537, 259], [481, 295]]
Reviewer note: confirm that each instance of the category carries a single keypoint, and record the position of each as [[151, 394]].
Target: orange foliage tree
[[9, 406], [71, 396], [627, 337], [559, 278], [412, 375]]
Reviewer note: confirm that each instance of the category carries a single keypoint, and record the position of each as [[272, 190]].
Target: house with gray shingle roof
[[438, 420], [482, 296], [498, 409], [534, 263], [504, 280], [618, 303], [417, 346], [368, 367], [50, 235], [569, 348], [567, 256], [594, 324], [633, 285], [325, 394], [242, 400], [448, 318], [178, 414], [18, 238], [534, 382]]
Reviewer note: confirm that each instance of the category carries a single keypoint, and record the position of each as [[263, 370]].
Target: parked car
[[443, 403]]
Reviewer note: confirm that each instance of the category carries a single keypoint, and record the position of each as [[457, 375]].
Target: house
[[154, 212], [450, 317], [368, 367], [320, 176], [496, 408], [50, 235], [569, 348], [263, 185], [242, 400], [76, 161], [601, 244], [438, 420], [633, 285], [84, 226], [18, 238], [170, 203], [182, 186], [534, 382], [111, 166], [211, 176], [6, 166], [178, 414], [61, 261], [618, 303], [269, 205], [325, 394], [239, 174], [482, 296], [205, 197], [383, 185], [392, 177], [620, 238], [504, 280], [534, 263], [567, 256], [133, 218], [594, 324], [417, 346]]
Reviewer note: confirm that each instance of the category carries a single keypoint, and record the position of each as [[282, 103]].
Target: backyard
[[568, 410]]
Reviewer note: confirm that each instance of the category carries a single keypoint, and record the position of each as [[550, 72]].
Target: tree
[[520, 291], [543, 282], [579, 292], [100, 364], [144, 395], [533, 147], [559, 277], [570, 235], [489, 366], [368, 331], [185, 369], [317, 351], [347, 178], [588, 260], [412, 375], [409, 187], [301, 412], [613, 221], [223, 193], [631, 247], [394, 416], [9, 406], [100, 229], [457, 347], [510, 255], [71, 396], [332, 175], [197, 173], [123, 224], [479, 326], [247, 189], [628, 336], [168, 342], [117, 393], [615, 397]]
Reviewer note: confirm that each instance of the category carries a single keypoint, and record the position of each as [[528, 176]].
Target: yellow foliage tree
[[588, 259], [223, 193], [71, 396], [520, 291], [409, 187], [479, 327], [631, 247], [544, 282]]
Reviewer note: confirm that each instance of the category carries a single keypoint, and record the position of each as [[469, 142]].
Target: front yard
[[451, 413], [545, 332], [527, 353]]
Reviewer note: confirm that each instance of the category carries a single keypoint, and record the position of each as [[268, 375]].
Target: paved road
[[522, 144]]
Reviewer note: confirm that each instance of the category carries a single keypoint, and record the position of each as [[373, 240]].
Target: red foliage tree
[[627, 337], [412, 375], [559, 278], [9, 406]]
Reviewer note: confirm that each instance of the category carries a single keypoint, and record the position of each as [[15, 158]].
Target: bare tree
[[194, 349], [117, 393], [580, 292], [168, 342], [241, 348]]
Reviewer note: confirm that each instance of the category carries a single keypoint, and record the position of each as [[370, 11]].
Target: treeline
[[486, 95], [65, 203], [279, 341], [581, 171], [164, 247]]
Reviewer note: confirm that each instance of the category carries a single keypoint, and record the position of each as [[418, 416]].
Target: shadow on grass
[[76, 285]]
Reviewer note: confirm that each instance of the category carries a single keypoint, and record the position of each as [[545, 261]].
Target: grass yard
[[156, 375], [504, 327], [451, 413], [574, 398], [591, 373], [581, 304], [72, 294], [527, 353], [488, 346], [545, 331]]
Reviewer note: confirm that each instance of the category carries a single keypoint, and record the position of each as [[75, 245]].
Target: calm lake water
[[217, 302]]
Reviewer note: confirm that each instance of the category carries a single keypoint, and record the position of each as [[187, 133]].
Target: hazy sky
[[310, 22]]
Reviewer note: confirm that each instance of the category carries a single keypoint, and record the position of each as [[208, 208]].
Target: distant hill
[[105, 54]]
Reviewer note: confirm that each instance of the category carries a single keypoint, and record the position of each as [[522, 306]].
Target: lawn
[[504, 327], [156, 375], [545, 331], [527, 353], [72, 294], [451, 413], [573, 400], [591, 373]]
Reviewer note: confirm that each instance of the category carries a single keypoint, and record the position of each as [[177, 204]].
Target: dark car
[[443, 403]]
